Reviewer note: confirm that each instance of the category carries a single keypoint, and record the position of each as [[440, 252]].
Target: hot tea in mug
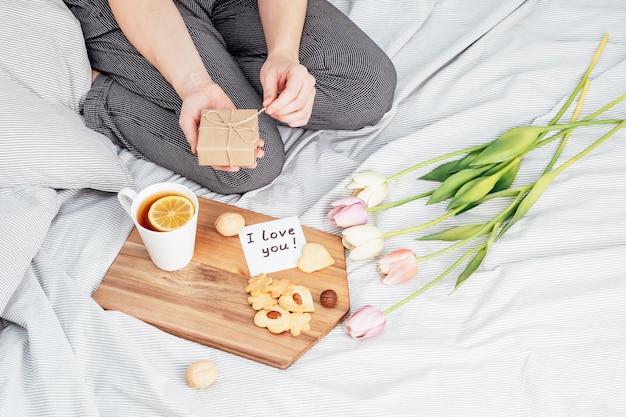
[[176, 206], [166, 217]]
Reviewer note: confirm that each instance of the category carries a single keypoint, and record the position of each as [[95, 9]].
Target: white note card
[[272, 246]]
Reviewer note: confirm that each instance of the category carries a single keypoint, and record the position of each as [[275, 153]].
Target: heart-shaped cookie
[[314, 257], [299, 300]]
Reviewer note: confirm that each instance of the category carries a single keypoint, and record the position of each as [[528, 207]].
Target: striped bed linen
[[539, 330]]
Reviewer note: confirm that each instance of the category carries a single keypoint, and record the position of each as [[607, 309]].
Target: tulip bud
[[348, 212], [367, 322], [398, 266], [369, 186], [373, 195], [363, 241]]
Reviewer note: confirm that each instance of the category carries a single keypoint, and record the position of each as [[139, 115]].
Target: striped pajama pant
[[131, 102]]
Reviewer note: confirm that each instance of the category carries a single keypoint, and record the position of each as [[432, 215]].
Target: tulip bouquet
[[482, 173]]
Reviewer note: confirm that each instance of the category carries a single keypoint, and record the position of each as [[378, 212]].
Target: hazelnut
[[201, 374], [229, 223], [328, 298]]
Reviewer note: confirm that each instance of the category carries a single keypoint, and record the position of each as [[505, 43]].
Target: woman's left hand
[[288, 90]]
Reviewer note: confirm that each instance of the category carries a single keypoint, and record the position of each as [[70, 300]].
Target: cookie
[[263, 301], [314, 258], [258, 284], [280, 287], [299, 300], [298, 323], [281, 304], [276, 320]]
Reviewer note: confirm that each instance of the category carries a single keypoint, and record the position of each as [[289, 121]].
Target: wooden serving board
[[206, 302]]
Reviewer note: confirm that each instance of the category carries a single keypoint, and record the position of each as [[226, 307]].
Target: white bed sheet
[[539, 330]]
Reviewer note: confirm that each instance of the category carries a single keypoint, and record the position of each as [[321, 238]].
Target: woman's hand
[[156, 28], [205, 95], [197, 96], [288, 90]]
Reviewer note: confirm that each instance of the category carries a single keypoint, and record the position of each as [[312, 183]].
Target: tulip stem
[[493, 224], [509, 192], [583, 80], [589, 148], [602, 110], [577, 110], [588, 118], [567, 126], [437, 159], [398, 203], [431, 283], [423, 225], [449, 248]]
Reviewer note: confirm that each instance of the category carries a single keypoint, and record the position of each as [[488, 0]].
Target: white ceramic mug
[[170, 251]]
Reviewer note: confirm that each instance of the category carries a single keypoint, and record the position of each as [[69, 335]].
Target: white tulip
[[369, 186], [363, 241]]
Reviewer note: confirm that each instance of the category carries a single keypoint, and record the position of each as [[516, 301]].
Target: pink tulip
[[398, 266], [368, 322], [349, 211]]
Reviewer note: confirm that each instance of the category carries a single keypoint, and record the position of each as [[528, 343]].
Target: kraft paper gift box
[[228, 137]]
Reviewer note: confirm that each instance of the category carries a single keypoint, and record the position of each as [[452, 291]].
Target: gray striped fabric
[[48, 144], [44, 76], [539, 330]]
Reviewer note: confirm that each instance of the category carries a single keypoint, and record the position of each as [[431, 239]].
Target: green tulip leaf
[[462, 232], [443, 171], [507, 178], [531, 198], [468, 207], [471, 267], [440, 173], [466, 161]]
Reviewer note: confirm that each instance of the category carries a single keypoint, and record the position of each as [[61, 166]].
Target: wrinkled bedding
[[538, 330]]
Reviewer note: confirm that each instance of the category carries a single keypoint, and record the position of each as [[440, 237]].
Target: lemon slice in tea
[[170, 212]]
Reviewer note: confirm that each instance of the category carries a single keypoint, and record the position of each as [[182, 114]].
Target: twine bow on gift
[[218, 122]]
